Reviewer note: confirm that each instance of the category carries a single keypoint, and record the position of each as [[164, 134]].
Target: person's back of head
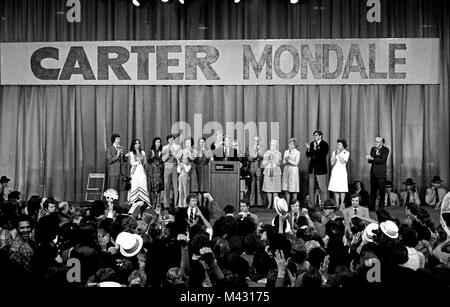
[[316, 257], [413, 208], [228, 209], [298, 252], [408, 236], [246, 226], [98, 208], [383, 215], [230, 226], [312, 279], [47, 229], [220, 247], [14, 196], [249, 244]]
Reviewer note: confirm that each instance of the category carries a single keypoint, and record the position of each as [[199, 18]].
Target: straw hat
[[281, 206], [130, 243], [369, 232], [111, 193], [390, 229]]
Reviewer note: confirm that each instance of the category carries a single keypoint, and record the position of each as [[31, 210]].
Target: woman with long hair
[[155, 171], [202, 157], [137, 160]]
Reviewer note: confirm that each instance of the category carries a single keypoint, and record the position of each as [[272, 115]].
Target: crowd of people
[[171, 232], [54, 243]]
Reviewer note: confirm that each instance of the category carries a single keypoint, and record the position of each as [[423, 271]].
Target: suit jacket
[[113, 161], [219, 154], [378, 168], [182, 218], [393, 197], [318, 162], [413, 197], [350, 212]]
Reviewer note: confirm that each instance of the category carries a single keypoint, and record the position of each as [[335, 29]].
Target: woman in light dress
[[137, 161], [290, 182], [272, 172], [338, 179], [187, 180]]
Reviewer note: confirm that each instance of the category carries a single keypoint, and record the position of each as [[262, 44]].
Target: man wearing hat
[[390, 198], [410, 194], [4, 189], [282, 222], [435, 194]]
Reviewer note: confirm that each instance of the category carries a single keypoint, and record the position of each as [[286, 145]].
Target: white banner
[[222, 62]]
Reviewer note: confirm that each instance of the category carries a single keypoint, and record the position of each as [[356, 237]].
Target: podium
[[224, 183]]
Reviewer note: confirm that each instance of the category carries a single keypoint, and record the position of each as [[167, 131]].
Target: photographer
[[410, 194]]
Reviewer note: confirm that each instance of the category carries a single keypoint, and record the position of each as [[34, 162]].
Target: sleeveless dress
[[338, 178], [138, 189]]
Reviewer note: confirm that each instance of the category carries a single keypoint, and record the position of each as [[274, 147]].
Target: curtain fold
[[53, 136]]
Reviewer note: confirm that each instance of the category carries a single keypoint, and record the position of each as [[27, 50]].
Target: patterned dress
[[155, 171]]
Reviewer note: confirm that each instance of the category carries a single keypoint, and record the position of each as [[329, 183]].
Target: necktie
[[355, 210], [407, 198], [437, 195], [388, 201], [192, 216]]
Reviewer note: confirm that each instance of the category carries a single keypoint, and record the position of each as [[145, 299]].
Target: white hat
[[111, 193], [281, 206], [110, 284], [368, 232], [390, 229], [130, 243]]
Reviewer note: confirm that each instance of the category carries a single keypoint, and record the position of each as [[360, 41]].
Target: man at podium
[[226, 152]]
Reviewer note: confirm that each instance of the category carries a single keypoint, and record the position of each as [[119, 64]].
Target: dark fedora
[[4, 179], [437, 179], [409, 181], [388, 183]]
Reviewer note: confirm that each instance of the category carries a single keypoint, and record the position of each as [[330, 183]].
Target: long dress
[[138, 189], [155, 171], [291, 180], [338, 178], [202, 167], [272, 172]]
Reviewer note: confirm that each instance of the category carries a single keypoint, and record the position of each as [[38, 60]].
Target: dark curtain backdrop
[[52, 136]]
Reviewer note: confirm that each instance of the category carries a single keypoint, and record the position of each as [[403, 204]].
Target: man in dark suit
[[186, 218], [317, 150], [227, 152], [378, 158], [115, 157]]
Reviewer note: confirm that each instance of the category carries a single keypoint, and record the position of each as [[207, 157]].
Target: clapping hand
[[307, 145]]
